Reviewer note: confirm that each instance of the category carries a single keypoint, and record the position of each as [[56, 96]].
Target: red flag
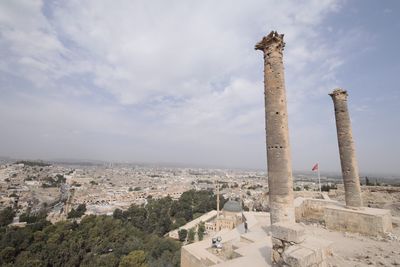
[[315, 168]]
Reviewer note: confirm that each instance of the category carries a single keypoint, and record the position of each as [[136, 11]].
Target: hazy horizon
[[194, 166], [181, 82]]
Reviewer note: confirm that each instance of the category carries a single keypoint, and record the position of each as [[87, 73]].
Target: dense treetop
[[128, 238]]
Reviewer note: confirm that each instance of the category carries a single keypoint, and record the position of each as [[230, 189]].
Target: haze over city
[[180, 82]]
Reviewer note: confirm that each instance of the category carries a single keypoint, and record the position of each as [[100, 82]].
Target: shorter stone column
[[347, 152]]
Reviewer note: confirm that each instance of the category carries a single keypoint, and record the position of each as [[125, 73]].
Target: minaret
[[347, 151], [217, 200], [280, 181]]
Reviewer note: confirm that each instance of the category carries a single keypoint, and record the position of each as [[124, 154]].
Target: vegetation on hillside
[[78, 212], [162, 215], [6, 216], [33, 163], [128, 238], [54, 182]]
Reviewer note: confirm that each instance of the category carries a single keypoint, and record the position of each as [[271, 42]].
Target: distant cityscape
[[104, 187]]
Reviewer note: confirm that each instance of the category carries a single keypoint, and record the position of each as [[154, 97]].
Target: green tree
[[29, 217], [327, 187], [163, 251], [136, 258], [102, 240], [179, 222], [6, 216], [108, 260], [158, 219], [191, 235], [80, 210], [182, 234], [200, 230], [7, 255], [27, 259], [118, 214], [137, 216]]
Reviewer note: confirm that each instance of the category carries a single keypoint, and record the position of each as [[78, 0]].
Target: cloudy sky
[[180, 81]]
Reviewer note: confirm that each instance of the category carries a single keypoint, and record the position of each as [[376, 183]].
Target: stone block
[[297, 256], [289, 232], [276, 257], [276, 242], [321, 247], [367, 221], [311, 252]]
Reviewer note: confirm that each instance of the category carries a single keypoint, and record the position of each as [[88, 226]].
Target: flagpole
[[319, 179]]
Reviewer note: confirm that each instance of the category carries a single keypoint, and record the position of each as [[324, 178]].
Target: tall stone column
[[280, 180], [347, 152]]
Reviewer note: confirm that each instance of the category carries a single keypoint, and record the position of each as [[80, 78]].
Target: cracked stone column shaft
[[280, 181], [347, 152]]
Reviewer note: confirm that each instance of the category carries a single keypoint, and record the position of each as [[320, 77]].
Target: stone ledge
[[368, 221], [289, 232]]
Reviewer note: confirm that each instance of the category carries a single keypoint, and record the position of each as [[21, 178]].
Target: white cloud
[[179, 71]]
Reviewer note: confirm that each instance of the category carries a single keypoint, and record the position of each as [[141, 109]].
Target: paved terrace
[[245, 249]]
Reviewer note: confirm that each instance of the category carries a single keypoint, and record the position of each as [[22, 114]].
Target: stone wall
[[190, 260], [368, 221], [311, 210]]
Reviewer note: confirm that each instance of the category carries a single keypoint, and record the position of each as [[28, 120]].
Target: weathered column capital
[[339, 94], [273, 41]]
